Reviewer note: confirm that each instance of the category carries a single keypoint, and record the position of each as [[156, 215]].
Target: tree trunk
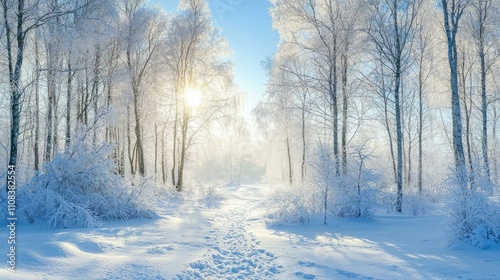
[[156, 148], [14, 78], [482, 13], [345, 105], [451, 19], [335, 109], [131, 151], [37, 105], [174, 135], [51, 88], [289, 157], [180, 171], [138, 135], [303, 165], [163, 157], [68, 106], [387, 125], [95, 91], [86, 101], [399, 131], [495, 144], [420, 120], [468, 112]]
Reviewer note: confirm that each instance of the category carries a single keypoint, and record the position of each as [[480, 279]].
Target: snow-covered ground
[[230, 240]]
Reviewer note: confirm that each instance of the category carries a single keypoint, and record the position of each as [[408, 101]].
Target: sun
[[193, 98]]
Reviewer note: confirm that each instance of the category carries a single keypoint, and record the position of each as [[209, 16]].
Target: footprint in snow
[[234, 254]]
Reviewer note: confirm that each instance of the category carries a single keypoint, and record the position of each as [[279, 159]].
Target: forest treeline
[[102, 99], [117, 72], [394, 100], [405, 88]]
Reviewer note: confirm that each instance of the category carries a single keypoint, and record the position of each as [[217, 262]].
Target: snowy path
[[230, 240], [234, 251]]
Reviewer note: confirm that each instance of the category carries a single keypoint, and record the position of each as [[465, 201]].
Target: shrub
[[293, 205], [80, 188], [472, 217]]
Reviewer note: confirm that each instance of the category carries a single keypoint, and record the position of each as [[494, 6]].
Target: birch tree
[[482, 19], [144, 39], [201, 71], [20, 19], [453, 11], [391, 31]]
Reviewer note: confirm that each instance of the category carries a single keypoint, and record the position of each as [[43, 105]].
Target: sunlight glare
[[193, 98]]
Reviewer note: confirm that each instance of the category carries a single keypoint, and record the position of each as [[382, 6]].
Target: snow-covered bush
[[473, 216], [415, 203], [293, 205], [346, 195], [352, 198], [207, 194], [326, 192], [79, 188]]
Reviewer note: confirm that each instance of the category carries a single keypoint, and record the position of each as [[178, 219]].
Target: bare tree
[[390, 30], [481, 27], [453, 11], [424, 62], [144, 39], [20, 18], [197, 58]]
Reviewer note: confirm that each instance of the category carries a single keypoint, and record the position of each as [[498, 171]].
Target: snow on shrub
[[348, 195], [473, 217], [204, 195], [293, 205], [325, 192], [415, 203], [352, 198], [80, 188]]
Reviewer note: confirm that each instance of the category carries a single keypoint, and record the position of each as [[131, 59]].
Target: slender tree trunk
[[409, 161], [174, 135], [79, 101], [389, 134], [345, 106], [495, 145], [482, 14], [14, 79], [387, 124], [334, 97], [468, 112], [95, 91], [399, 131], [138, 135], [86, 101], [51, 88], [399, 138], [420, 121], [131, 151], [174, 148], [37, 105], [56, 119], [184, 129], [303, 166], [68, 105], [156, 148], [163, 157], [289, 157], [451, 19]]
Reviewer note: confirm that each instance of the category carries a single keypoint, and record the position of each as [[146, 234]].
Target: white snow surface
[[230, 240]]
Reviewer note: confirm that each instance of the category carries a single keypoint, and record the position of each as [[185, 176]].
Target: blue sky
[[247, 26]]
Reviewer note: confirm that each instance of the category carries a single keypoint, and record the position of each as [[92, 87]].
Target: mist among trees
[[369, 104]]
